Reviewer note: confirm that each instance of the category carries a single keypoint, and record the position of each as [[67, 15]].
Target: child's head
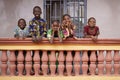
[[55, 25], [21, 23], [37, 11], [66, 17], [92, 22]]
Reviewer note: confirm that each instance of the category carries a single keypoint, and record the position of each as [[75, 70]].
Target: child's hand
[[94, 38], [58, 27], [53, 28], [64, 22]]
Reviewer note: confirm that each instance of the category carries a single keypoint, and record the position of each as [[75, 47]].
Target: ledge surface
[[69, 44]]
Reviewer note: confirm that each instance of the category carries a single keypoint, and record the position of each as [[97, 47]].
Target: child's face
[[37, 12], [92, 22], [55, 26], [67, 19], [22, 24]]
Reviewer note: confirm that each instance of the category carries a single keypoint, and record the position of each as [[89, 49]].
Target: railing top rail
[[69, 44]]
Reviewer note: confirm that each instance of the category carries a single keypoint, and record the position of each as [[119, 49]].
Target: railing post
[[108, 62], [36, 59], [20, 65], [100, 62], [93, 62], [28, 62], [44, 63], [52, 63], [12, 60], [61, 63], [4, 60], [69, 60], [84, 63], [116, 59], [76, 60]]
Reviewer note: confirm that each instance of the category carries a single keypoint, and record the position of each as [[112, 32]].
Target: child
[[37, 26], [21, 30], [68, 27], [37, 30], [91, 31], [55, 31]]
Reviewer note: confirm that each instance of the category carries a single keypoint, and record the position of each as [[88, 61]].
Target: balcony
[[66, 60]]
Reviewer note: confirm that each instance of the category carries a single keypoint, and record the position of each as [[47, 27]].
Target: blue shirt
[[18, 32]]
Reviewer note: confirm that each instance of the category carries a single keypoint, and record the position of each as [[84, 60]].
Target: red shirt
[[89, 31]]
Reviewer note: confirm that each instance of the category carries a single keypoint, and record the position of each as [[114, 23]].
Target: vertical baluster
[[100, 63], [84, 63], [12, 59], [116, 59], [69, 60], [77, 62], [108, 62], [28, 63], [36, 59], [20, 65], [93, 62], [61, 63], [52, 62], [44, 63], [4, 60]]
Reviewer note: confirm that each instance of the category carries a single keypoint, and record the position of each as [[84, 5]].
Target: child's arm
[[45, 29], [16, 34], [94, 37]]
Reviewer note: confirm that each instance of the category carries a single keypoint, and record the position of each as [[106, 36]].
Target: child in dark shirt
[[91, 31]]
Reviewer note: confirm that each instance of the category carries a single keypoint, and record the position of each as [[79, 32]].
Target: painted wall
[[107, 14], [12, 10]]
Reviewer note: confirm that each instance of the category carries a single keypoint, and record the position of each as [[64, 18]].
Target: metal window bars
[[77, 9]]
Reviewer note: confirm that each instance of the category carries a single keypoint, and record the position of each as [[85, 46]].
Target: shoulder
[[49, 30], [96, 27], [43, 20], [86, 27], [17, 28]]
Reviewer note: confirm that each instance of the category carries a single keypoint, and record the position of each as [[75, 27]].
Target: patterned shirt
[[18, 32], [37, 27], [50, 31]]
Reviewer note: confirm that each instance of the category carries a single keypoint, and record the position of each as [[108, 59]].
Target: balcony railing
[[70, 58]]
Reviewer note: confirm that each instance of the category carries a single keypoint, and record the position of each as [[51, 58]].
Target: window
[[77, 9]]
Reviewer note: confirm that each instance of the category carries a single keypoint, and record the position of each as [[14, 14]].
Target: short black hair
[[55, 21], [91, 18], [20, 20], [65, 15], [38, 8]]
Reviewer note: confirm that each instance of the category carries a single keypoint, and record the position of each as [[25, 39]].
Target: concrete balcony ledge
[[69, 44]]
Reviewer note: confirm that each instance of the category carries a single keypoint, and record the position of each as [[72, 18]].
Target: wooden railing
[[69, 58]]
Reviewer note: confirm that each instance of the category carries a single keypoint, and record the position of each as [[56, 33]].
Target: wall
[[107, 14], [12, 10]]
